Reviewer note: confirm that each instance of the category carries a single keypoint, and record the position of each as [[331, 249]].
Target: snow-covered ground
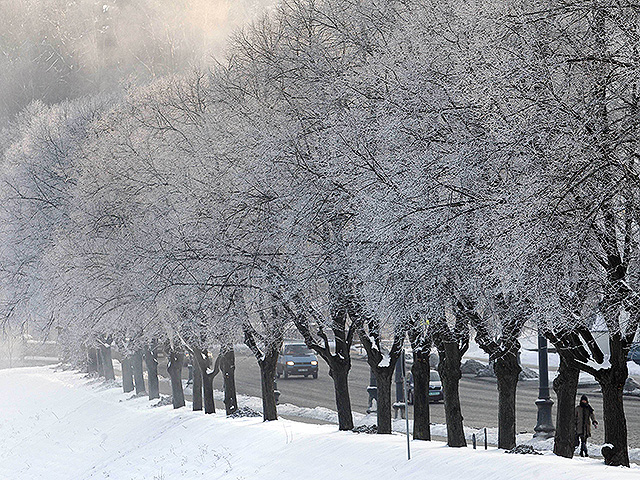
[[61, 425]]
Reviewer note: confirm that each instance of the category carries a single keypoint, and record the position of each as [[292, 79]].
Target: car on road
[[435, 388], [297, 359]]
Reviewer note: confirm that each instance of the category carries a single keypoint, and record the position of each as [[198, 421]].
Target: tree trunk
[[421, 371], [151, 359], [208, 374], [340, 362], [138, 372], [565, 385], [197, 385], [100, 362], [339, 372], [507, 371], [267, 376], [127, 374], [176, 361], [450, 374], [612, 381], [615, 425], [384, 377], [92, 360], [107, 362], [207, 387], [228, 368]]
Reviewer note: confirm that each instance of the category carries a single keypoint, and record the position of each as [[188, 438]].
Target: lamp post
[[372, 390], [544, 426]]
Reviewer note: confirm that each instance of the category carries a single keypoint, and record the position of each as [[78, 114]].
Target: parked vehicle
[[297, 359], [435, 388], [634, 353]]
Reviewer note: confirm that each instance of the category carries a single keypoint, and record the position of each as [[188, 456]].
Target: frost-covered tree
[[571, 93]]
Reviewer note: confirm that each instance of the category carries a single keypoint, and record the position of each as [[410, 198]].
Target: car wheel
[[315, 375], [277, 374], [286, 374]]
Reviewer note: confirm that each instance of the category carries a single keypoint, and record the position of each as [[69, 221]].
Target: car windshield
[[435, 376], [297, 350]]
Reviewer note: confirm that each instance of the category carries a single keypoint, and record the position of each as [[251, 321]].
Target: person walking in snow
[[584, 419]]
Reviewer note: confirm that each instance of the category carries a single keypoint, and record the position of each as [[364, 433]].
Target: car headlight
[[314, 362], [290, 363]]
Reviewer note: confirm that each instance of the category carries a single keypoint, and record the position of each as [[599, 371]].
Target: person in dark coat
[[584, 419]]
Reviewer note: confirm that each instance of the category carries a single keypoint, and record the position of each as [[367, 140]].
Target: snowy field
[[60, 425]]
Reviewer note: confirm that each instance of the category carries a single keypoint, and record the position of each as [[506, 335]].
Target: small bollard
[[473, 439], [485, 438]]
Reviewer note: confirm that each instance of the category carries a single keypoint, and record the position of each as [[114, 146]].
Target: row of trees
[[411, 170]]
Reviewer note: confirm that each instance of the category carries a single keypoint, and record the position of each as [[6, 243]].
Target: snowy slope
[[59, 425]]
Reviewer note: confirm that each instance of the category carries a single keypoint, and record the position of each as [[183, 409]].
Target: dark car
[[435, 388], [297, 359]]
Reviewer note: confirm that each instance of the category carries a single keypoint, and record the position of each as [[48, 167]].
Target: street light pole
[[372, 390], [544, 426]]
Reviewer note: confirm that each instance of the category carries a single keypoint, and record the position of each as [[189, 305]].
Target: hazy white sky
[[54, 49]]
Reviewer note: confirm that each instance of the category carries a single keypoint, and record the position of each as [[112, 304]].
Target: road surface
[[479, 397]]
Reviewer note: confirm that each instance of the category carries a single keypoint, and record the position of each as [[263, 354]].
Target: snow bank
[[60, 425]]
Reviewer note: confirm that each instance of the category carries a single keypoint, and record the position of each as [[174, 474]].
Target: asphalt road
[[479, 397]]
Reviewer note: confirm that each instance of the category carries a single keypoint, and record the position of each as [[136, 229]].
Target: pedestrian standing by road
[[584, 419]]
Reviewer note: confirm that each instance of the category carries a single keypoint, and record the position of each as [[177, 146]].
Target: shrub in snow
[[366, 429], [528, 374], [524, 450], [244, 412], [631, 385], [473, 367], [486, 371], [164, 401]]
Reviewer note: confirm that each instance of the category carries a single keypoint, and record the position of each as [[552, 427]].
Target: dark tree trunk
[[100, 362], [267, 376], [228, 369], [421, 371], [138, 372], [127, 374], [107, 362], [450, 374], [566, 386], [176, 362], [383, 367], [208, 374], [384, 377], [612, 382], [339, 372], [507, 371], [207, 387], [92, 360], [197, 385], [340, 362], [151, 359], [615, 425]]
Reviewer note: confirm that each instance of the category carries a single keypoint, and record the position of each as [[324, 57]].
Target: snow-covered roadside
[[60, 425], [322, 414]]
